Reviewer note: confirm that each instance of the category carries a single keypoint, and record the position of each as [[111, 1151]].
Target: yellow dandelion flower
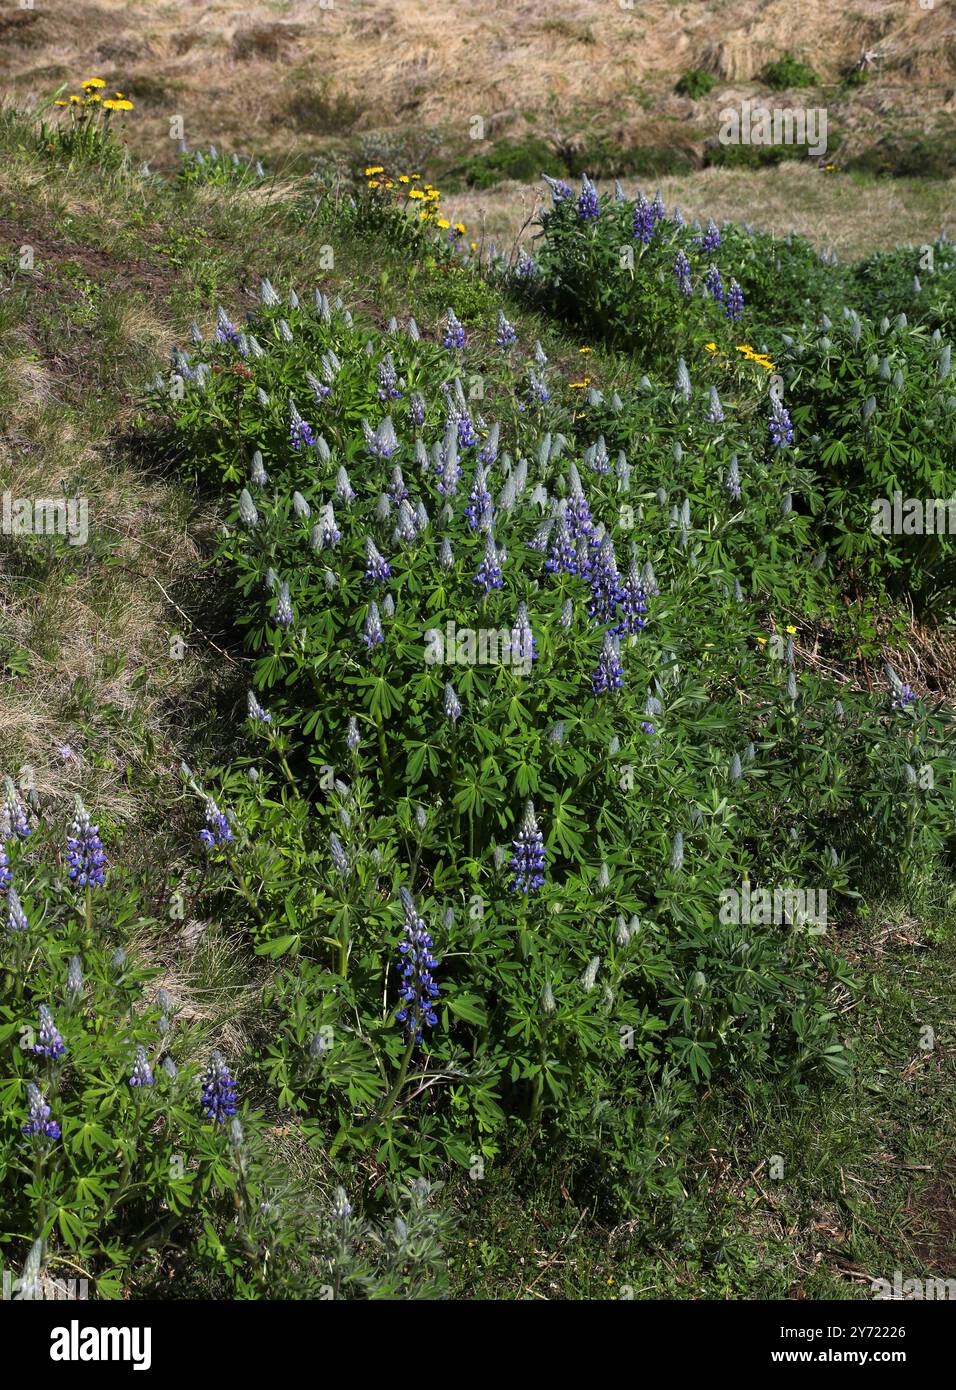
[[93, 82], [460, 228], [374, 183], [710, 347], [473, 245], [374, 169], [94, 96], [389, 183], [416, 176], [416, 193], [585, 349], [75, 101], [433, 195], [580, 385], [59, 103], [444, 223], [744, 347], [403, 178], [762, 641]]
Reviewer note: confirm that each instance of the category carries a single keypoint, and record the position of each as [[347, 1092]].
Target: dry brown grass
[[230, 68]]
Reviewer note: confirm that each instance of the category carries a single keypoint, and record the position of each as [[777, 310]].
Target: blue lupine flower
[[301, 507], [715, 411], [682, 380], [734, 307], [257, 470], [353, 738], [343, 488], [446, 556], [418, 988], [507, 334], [388, 380], [256, 713], [284, 615], [781, 427], [416, 409], [383, 442], [74, 977], [340, 860], [326, 534], [406, 528], [578, 512], [218, 1095], [644, 221], [588, 207], [489, 451], [452, 704], [225, 330], [537, 388], [528, 856], [478, 499], [522, 647], [39, 1123], [141, 1074], [713, 284], [711, 238], [633, 602], [610, 673], [526, 268], [6, 878], [319, 389], [248, 514], [373, 635], [85, 855], [905, 696], [605, 584], [454, 332], [217, 830], [562, 550], [559, 189], [489, 572], [377, 568], [300, 431], [50, 1043], [732, 480], [13, 815]]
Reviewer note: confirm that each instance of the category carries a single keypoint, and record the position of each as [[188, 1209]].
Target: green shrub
[[788, 72], [695, 83]]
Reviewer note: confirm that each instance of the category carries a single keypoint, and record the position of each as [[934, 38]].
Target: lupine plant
[[541, 844]]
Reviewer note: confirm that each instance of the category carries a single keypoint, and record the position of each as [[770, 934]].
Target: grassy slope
[[120, 268]]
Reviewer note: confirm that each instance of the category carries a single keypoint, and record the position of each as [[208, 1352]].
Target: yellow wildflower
[[791, 629], [416, 193], [710, 347], [93, 82], [762, 641], [443, 222], [374, 169], [585, 349], [460, 228], [403, 178]]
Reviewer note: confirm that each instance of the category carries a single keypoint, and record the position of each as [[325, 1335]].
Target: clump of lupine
[[122, 1139], [633, 272], [664, 704]]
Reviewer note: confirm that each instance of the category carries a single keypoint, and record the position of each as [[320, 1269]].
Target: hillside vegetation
[[456, 636]]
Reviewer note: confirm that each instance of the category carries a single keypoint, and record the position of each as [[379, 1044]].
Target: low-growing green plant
[[695, 83], [786, 72]]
